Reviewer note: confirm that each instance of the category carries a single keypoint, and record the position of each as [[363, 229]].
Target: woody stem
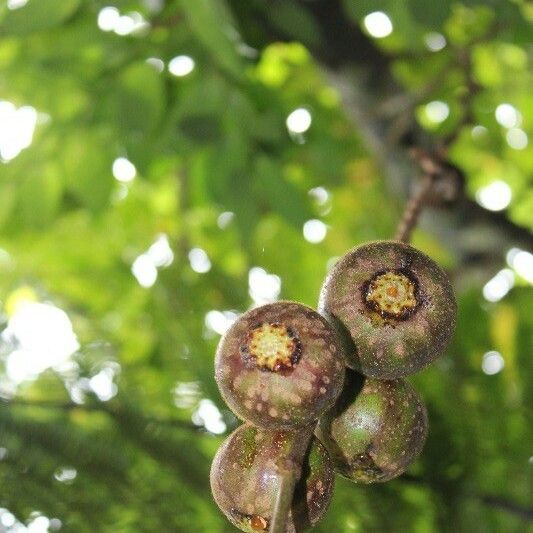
[[412, 211]]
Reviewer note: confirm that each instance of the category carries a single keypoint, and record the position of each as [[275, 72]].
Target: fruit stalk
[[291, 474], [283, 501], [412, 211]]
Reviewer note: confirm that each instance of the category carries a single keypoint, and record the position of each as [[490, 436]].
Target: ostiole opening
[[272, 346], [393, 294]]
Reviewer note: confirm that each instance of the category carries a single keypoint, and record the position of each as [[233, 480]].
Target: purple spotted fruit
[[246, 475], [280, 366], [393, 306], [375, 430]]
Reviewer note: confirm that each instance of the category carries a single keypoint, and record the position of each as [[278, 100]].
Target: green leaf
[[37, 15], [430, 14], [213, 26], [7, 200], [280, 195], [201, 128], [136, 101], [357, 9], [87, 169], [39, 195], [295, 21]]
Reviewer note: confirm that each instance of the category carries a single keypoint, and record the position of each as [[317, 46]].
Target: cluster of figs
[[386, 311]]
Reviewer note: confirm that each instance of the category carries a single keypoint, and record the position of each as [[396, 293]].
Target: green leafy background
[[215, 141]]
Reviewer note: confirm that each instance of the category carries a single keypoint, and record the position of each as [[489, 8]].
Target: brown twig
[[442, 184], [413, 209]]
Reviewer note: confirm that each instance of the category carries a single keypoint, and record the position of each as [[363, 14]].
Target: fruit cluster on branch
[[323, 392]]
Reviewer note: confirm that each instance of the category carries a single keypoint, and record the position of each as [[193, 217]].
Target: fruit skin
[[375, 430], [377, 344], [245, 479], [285, 397]]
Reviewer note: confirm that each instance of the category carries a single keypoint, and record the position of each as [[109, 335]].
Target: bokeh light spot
[[378, 24], [144, 270], [437, 111], [320, 195], [102, 384], [199, 260], [7, 519], [209, 416], [16, 129], [435, 41], [16, 4], [160, 252], [124, 170], [517, 139], [498, 286], [107, 18], [478, 132], [508, 116], [315, 231], [299, 121], [157, 63], [495, 196], [42, 337], [492, 363], [263, 287], [522, 262], [66, 474], [110, 19], [181, 65], [225, 219], [220, 321]]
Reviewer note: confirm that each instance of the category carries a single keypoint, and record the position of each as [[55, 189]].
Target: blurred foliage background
[[165, 165]]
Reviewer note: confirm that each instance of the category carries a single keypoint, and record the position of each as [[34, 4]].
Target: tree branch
[[412, 211], [506, 505], [362, 74], [364, 85]]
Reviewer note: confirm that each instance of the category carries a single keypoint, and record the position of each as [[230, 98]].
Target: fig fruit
[[393, 305], [246, 476], [280, 366], [375, 430]]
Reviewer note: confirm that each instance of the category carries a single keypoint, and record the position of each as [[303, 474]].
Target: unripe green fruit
[[375, 430], [246, 476], [393, 305], [280, 366]]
